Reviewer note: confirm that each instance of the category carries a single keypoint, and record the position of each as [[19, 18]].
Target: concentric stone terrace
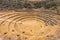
[[40, 25]]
